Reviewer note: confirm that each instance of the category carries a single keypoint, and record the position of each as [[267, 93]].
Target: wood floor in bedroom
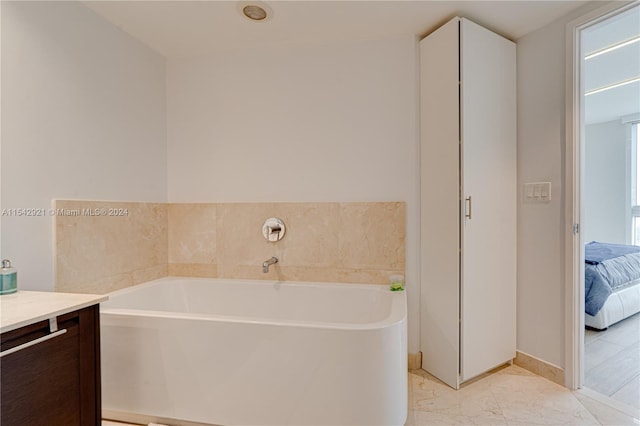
[[612, 361]]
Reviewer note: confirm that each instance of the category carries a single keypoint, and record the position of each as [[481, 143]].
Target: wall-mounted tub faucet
[[267, 263], [273, 229]]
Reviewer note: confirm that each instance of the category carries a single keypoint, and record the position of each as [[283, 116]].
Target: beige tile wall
[[192, 240], [336, 242], [104, 246]]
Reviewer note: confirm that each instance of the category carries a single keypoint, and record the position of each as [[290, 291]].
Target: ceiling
[[196, 28], [612, 68], [183, 28]]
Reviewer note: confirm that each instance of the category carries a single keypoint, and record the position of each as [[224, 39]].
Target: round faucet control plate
[[273, 229]]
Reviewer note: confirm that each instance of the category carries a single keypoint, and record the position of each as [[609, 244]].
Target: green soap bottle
[[9, 283]]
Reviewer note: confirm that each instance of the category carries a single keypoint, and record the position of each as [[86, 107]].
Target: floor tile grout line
[[618, 344], [543, 379], [588, 411], [497, 400], [620, 337], [636, 377], [607, 359], [598, 387], [610, 403], [625, 384]]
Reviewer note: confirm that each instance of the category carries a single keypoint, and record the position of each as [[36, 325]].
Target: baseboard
[[541, 368], [415, 361]]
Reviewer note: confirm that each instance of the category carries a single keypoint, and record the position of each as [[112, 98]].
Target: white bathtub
[[240, 352]]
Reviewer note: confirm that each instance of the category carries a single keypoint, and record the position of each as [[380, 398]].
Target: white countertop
[[28, 307]]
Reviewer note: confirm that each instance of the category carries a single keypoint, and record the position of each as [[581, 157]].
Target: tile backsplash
[[192, 240], [103, 246], [334, 242]]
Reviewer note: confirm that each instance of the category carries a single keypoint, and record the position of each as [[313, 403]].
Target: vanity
[[50, 359]]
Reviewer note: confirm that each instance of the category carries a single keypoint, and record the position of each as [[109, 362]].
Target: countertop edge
[[54, 313]]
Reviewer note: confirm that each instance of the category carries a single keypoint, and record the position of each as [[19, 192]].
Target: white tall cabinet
[[468, 201]]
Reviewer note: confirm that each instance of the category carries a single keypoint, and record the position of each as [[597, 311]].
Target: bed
[[612, 283]]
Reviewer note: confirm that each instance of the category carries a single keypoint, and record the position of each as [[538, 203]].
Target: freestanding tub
[[239, 352]]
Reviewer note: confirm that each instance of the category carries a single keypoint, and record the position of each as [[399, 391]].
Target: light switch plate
[[537, 192]]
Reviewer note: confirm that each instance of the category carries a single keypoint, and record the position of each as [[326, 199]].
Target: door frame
[[574, 173]]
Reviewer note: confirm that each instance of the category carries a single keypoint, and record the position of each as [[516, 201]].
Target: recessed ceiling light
[[256, 11], [613, 47], [612, 86]]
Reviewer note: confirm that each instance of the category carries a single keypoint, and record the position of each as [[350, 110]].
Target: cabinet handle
[[468, 210], [32, 343]]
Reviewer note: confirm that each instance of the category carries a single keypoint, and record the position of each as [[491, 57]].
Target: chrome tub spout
[[267, 263]]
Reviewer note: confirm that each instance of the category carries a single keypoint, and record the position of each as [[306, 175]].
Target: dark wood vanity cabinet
[[55, 382]]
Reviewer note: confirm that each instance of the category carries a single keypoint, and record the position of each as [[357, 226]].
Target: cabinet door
[[488, 257], [440, 203], [40, 384], [55, 382]]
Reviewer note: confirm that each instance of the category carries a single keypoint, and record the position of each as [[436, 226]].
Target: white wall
[[300, 123], [541, 148], [83, 114], [606, 184]]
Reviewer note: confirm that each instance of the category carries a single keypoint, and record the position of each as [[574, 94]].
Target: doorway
[[603, 204]]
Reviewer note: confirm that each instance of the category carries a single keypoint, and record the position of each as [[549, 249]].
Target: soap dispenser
[[9, 283]]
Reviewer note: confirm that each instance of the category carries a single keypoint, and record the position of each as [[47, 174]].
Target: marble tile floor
[[612, 361], [509, 396]]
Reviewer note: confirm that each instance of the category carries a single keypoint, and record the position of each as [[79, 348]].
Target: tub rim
[[397, 312]]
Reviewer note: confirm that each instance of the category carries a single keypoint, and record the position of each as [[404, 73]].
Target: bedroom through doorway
[[610, 205]]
